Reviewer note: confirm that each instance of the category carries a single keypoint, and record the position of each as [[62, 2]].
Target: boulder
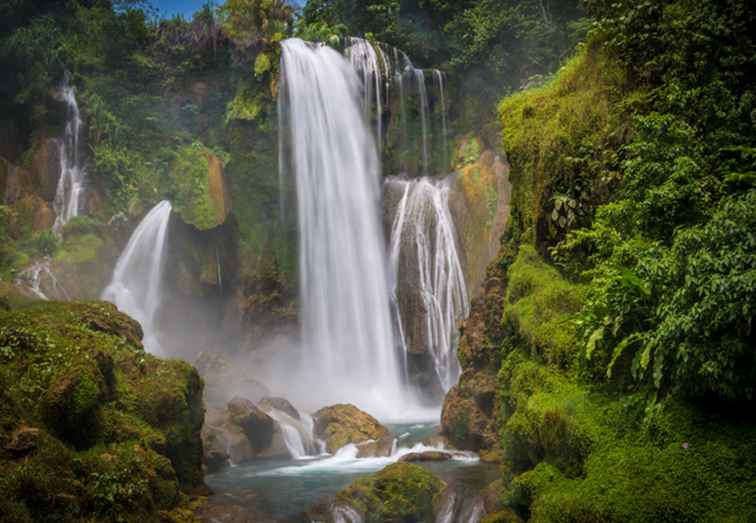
[[102, 410], [257, 426], [281, 404], [423, 457], [376, 448], [400, 492], [340, 425]]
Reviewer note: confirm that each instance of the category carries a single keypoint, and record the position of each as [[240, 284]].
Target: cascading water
[[297, 434], [346, 322], [136, 285], [72, 168], [429, 290], [41, 281]]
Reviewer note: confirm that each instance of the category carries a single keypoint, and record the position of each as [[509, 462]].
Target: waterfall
[[72, 169], [349, 349], [429, 291], [136, 285], [372, 66]]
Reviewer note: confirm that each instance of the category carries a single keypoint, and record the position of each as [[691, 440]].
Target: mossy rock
[[340, 425], [105, 431], [400, 493], [200, 196]]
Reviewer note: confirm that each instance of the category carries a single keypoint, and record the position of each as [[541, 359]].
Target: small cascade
[[448, 507], [346, 514], [136, 285], [297, 434], [73, 172], [380, 67], [345, 320], [41, 281], [429, 291]]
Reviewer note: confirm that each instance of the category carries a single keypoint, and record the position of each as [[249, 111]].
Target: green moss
[[79, 249], [582, 456], [190, 176], [546, 129], [262, 64], [401, 492], [112, 432], [540, 306]]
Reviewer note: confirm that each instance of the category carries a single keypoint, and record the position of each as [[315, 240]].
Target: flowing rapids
[[429, 291], [72, 169], [136, 284], [349, 348]]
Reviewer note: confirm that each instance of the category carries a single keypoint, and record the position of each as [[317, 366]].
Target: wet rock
[[379, 448], [340, 425], [46, 167], [463, 421], [257, 426], [281, 404], [215, 455], [423, 457]]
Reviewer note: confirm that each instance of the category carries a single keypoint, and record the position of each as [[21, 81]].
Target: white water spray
[[349, 348], [72, 169], [136, 285]]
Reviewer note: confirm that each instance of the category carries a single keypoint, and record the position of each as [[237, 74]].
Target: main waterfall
[[349, 349], [136, 285]]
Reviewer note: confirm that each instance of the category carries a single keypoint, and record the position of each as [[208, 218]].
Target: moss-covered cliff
[[92, 427], [620, 376]]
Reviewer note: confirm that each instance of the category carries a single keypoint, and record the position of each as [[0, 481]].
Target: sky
[[170, 8]]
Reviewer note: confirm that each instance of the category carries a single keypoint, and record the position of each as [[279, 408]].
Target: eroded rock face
[[469, 416], [340, 425]]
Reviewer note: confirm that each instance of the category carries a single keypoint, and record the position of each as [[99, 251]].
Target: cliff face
[[90, 425]]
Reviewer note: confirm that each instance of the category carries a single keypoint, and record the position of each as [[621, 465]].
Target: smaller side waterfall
[[429, 290], [136, 285], [72, 169]]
